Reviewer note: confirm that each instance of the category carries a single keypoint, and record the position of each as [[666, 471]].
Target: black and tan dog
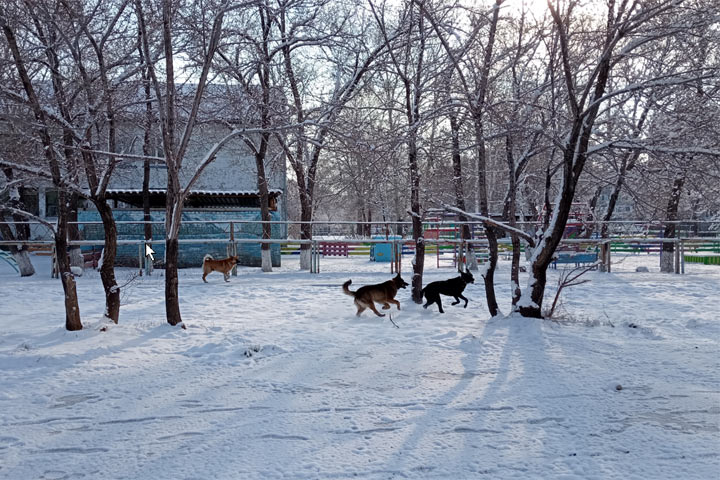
[[452, 288], [223, 266], [365, 297]]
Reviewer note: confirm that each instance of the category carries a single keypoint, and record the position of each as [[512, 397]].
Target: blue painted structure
[[383, 252], [190, 255]]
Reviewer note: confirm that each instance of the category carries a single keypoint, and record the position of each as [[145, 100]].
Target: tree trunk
[[489, 274], [19, 253], [509, 214], [667, 260], [471, 262], [419, 262], [72, 308], [147, 149], [172, 232], [75, 252], [264, 211], [107, 270], [537, 292], [172, 303], [22, 231], [147, 219], [590, 226], [546, 247], [305, 231]]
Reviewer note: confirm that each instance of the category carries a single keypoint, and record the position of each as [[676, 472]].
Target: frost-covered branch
[[645, 147], [529, 239], [208, 159], [40, 173], [28, 215]]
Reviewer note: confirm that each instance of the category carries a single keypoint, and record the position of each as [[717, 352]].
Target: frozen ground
[[275, 377]]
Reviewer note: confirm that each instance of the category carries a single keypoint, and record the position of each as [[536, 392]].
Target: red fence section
[[334, 249]]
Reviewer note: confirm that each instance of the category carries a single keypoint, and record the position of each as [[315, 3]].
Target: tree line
[[493, 110]]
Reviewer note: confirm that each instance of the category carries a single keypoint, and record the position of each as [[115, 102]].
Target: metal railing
[[462, 246]]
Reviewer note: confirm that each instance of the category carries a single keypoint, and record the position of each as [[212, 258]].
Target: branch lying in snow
[[570, 279], [530, 240]]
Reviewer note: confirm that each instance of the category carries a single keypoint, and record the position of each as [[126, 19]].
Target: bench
[[578, 258]]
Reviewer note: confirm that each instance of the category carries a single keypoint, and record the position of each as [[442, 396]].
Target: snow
[[275, 377]]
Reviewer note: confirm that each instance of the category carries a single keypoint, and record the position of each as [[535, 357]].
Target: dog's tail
[[207, 257], [347, 290]]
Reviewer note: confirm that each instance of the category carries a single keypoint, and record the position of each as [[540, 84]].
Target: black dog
[[452, 288]]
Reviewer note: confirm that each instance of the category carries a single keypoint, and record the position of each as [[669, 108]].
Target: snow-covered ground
[[275, 377]]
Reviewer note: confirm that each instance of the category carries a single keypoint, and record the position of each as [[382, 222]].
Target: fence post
[[232, 248], [148, 265], [682, 257], [399, 246], [314, 260], [55, 270], [140, 257], [677, 256]]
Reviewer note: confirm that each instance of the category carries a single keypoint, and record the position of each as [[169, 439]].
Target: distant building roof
[[196, 198]]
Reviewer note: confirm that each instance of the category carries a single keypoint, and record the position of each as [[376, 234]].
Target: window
[[30, 201], [51, 203]]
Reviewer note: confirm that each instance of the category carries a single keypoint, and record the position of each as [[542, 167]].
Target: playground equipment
[[446, 255], [705, 253], [447, 245], [9, 259], [384, 251], [581, 255]]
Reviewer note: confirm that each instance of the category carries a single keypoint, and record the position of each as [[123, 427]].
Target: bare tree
[[412, 60], [474, 80], [628, 27], [53, 164], [175, 144], [347, 53]]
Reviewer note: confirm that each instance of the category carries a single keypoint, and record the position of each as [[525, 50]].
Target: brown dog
[[365, 297], [223, 266]]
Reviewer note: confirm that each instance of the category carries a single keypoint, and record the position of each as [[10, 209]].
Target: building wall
[[232, 170]]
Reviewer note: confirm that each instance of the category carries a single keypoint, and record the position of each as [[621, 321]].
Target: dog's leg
[[439, 303], [226, 276], [395, 302], [360, 308], [371, 306], [205, 275], [466, 300], [386, 306], [457, 300]]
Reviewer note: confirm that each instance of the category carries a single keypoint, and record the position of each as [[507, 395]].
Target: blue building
[[207, 215], [226, 191]]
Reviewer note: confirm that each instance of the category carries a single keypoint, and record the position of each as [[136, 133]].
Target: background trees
[[383, 110]]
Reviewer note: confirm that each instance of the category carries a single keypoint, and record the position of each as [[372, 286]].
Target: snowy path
[[275, 377]]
